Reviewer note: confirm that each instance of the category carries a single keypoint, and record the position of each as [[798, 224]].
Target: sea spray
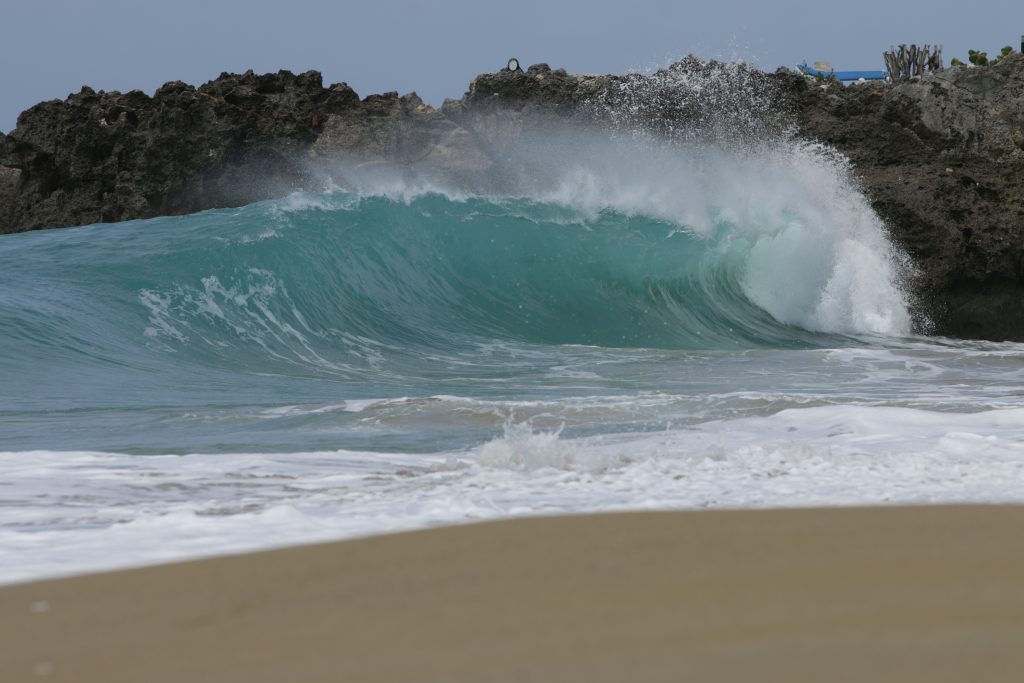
[[710, 149], [524, 448]]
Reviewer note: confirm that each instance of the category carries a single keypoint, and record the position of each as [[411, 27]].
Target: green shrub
[[979, 58], [1002, 53]]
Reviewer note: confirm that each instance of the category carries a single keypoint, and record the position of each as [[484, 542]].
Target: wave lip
[[630, 245]]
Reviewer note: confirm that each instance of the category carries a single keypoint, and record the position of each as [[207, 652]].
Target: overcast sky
[[49, 48]]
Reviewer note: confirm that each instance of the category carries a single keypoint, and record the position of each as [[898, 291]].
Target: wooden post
[[911, 61]]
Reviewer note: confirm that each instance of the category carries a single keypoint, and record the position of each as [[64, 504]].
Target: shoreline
[[902, 593]]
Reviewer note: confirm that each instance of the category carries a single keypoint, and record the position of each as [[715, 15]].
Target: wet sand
[[876, 594]]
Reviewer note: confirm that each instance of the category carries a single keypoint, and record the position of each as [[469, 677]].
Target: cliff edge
[[942, 161]]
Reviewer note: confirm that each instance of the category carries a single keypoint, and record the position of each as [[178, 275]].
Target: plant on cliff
[[978, 58], [1002, 53]]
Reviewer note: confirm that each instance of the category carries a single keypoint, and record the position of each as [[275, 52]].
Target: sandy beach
[[875, 594]]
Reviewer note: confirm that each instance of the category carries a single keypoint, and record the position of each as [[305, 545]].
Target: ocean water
[[690, 328]]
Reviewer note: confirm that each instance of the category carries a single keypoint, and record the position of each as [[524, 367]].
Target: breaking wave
[[711, 251]]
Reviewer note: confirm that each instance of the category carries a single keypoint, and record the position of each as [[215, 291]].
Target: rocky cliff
[[941, 159]]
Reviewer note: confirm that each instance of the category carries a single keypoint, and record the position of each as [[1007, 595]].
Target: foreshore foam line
[[70, 513]]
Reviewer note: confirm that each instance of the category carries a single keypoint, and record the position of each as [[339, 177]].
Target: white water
[[921, 424]]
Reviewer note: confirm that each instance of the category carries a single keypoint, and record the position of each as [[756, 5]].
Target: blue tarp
[[844, 75]]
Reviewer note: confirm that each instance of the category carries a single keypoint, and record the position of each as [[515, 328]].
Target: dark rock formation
[[99, 157], [941, 159]]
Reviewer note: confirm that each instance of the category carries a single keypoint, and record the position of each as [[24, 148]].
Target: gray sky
[[49, 48]]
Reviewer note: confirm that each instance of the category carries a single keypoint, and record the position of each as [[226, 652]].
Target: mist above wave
[[817, 256], [707, 147]]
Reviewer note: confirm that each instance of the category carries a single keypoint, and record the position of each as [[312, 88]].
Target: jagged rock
[[8, 189], [969, 111], [939, 160], [99, 157]]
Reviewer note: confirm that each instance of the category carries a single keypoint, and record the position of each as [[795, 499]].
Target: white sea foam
[[74, 512], [819, 256]]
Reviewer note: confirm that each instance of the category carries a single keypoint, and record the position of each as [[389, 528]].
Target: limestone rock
[[939, 160], [8, 189], [98, 157]]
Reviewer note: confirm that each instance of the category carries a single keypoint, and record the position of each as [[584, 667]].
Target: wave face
[[663, 251]]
